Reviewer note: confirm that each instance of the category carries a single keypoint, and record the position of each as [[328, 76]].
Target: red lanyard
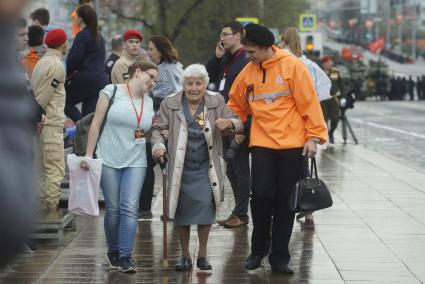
[[139, 118], [233, 57]]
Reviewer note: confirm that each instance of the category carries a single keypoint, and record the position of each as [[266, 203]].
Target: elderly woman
[[195, 119]]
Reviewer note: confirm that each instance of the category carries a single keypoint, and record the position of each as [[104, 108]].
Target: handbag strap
[[313, 167], [303, 172], [111, 101]]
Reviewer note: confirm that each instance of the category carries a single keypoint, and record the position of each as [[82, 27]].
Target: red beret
[[55, 38], [132, 34], [325, 59]]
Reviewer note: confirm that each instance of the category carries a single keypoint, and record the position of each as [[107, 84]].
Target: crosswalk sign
[[307, 22]]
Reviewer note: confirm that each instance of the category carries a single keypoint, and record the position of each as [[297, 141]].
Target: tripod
[[345, 124]]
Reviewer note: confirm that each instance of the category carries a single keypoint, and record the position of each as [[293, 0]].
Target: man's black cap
[[259, 35]]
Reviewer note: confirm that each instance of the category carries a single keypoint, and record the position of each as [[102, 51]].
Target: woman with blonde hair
[[290, 41]]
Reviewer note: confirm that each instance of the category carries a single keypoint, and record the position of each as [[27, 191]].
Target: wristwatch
[[315, 139]]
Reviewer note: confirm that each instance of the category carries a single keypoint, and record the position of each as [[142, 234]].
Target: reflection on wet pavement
[[374, 233]]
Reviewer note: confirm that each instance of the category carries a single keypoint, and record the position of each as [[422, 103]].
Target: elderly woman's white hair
[[195, 71]]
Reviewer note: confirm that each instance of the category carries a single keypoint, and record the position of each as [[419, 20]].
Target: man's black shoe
[[331, 138], [203, 264], [145, 214], [254, 261], [283, 268]]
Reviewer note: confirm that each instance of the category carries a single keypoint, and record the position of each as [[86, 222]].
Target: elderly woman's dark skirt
[[196, 202]]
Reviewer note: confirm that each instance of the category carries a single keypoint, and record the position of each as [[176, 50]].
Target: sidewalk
[[374, 233]]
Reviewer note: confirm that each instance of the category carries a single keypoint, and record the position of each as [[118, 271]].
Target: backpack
[[83, 127]]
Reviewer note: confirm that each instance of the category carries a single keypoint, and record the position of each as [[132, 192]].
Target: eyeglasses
[[226, 34], [152, 77]]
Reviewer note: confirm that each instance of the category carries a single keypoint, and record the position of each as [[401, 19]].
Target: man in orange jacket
[[287, 123]]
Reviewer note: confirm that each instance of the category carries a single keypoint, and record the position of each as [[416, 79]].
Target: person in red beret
[[55, 38], [132, 52], [325, 59], [48, 85]]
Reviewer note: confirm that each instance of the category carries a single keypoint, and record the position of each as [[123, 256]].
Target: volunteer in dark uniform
[[116, 50]]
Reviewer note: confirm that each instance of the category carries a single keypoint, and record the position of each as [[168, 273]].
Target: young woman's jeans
[[121, 189]]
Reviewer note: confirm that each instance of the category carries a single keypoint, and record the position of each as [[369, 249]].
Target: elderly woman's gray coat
[[171, 115]]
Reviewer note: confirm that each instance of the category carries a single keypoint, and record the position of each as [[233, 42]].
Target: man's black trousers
[[238, 173], [274, 174]]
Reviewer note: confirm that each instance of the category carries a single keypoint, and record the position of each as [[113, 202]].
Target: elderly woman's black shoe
[[203, 264], [183, 264]]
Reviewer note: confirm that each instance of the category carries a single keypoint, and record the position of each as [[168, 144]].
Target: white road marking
[[389, 128], [384, 139]]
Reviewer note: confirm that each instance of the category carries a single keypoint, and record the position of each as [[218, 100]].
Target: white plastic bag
[[84, 185]]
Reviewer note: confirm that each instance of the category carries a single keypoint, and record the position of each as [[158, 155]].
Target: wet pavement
[[374, 233], [388, 127]]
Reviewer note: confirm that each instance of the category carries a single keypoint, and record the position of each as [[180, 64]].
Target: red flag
[[377, 45]]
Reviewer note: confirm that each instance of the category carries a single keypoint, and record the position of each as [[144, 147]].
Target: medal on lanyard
[[139, 134]]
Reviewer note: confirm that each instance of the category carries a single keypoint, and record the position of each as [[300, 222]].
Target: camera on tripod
[[345, 103], [348, 100]]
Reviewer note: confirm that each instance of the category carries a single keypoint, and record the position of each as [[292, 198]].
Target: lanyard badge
[[139, 134]]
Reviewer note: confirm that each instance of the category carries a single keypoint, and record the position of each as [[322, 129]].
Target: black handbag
[[310, 193]]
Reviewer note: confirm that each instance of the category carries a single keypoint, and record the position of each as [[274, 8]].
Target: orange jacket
[[30, 60], [282, 101]]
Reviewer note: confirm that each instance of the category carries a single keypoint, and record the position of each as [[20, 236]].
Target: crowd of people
[[252, 99]]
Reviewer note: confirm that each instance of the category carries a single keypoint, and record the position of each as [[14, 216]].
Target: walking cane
[[164, 211]]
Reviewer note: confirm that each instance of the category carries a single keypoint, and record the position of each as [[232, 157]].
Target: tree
[[193, 25], [160, 10]]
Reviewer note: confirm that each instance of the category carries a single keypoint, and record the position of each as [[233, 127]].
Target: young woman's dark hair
[[89, 17], [165, 47]]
